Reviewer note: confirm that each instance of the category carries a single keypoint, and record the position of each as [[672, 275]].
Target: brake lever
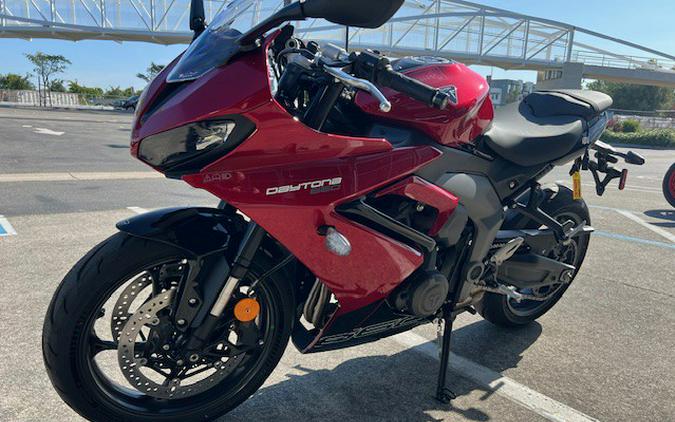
[[362, 84]]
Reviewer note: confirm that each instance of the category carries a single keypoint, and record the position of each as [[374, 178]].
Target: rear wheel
[[501, 310], [669, 186], [113, 352]]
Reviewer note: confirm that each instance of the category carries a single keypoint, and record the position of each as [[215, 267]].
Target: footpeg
[[508, 291], [575, 231], [505, 252]]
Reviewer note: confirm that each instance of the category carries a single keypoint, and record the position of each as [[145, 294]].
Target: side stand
[[443, 393]]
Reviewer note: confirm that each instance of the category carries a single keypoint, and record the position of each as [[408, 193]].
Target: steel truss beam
[[482, 34]]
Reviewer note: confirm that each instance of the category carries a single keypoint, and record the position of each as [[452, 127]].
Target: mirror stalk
[[197, 18], [289, 13]]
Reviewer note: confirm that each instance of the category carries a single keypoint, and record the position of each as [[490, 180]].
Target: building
[[505, 91], [496, 96]]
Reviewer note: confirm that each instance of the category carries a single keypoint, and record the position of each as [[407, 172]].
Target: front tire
[[76, 306], [669, 186], [499, 309]]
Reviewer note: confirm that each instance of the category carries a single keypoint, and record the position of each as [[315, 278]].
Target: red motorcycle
[[669, 185], [363, 197]]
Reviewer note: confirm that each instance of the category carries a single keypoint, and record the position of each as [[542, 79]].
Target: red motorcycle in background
[[364, 196], [669, 186]]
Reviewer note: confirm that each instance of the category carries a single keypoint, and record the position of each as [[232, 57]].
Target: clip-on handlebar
[[376, 68]]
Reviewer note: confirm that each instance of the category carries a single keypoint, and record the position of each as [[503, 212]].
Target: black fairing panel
[[508, 179], [364, 325], [198, 231]]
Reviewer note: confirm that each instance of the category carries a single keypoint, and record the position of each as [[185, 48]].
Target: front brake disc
[[131, 362], [121, 309]]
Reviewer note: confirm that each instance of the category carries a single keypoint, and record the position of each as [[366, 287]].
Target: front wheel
[[112, 350], [503, 311]]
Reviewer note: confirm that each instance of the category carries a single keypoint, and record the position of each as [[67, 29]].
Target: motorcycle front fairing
[[314, 171]]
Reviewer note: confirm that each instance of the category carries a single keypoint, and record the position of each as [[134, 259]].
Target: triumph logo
[[452, 92], [314, 187]]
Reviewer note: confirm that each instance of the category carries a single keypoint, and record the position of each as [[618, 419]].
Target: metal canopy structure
[[458, 29]]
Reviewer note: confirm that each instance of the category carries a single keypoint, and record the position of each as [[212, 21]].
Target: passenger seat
[[545, 126]]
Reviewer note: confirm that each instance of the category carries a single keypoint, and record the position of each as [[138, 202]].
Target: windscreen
[[215, 46]]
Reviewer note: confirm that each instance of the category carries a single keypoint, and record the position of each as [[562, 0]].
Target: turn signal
[[335, 242]]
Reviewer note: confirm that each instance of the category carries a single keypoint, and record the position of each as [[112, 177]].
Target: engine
[[422, 294]]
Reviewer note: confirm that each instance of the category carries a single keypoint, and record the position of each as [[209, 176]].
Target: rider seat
[[545, 126]]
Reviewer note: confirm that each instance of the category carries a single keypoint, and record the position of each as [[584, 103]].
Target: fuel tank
[[460, 123]]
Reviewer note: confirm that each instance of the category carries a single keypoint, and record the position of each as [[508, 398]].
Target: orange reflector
[[246, 310]]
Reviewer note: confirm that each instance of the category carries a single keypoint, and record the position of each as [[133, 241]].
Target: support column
[[569, 77]]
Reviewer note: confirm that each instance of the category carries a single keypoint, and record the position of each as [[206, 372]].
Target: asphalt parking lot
[[604, 352]]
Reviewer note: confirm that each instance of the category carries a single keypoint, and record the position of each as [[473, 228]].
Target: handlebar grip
[[415, 89]]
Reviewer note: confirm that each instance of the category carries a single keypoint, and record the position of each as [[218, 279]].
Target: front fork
[[247, 249]]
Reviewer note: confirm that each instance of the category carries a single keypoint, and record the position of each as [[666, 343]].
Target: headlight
[[141, 101], [188, 148]]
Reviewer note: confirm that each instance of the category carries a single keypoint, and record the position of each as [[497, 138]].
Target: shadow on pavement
[[399, 387], [668, 215]]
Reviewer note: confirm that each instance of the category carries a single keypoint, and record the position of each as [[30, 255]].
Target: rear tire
[[496, 308], [669, 186], [78, 300]]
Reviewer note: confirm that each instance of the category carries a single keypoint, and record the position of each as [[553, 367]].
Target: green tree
[[86, 92], [151, 72], [47, 65], [635, 97], [513, 95], [57, 85], [15, 81], [116, 91], [128, 92]]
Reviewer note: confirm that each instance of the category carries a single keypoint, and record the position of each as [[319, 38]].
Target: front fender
[[197, 230]]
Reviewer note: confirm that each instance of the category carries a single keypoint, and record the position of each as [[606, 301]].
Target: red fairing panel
[[289, 178], [458, 124], [241, 85], [427, 193], [293, 217]]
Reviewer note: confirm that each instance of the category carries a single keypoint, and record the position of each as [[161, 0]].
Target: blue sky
[[106, 63]]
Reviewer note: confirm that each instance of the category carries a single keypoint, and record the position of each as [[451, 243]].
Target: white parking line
[[69, 176], [504, 386], [628, 187], [137, 210], [657, 230], [6, 228], [45, 131]]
